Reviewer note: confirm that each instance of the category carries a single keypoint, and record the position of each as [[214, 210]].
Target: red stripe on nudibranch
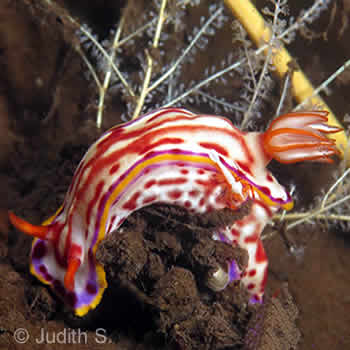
[[266, 190], [58, 227], [244, 166], [215, 147], [75, 250], [187, 204], [142, 136], [175, 194], [235, 232], [194, 193], [131, 204], [250, 286], [260, 255], [210, 208], [114, 169], [84, 185], [68, 241], [263, 282], [175, 181], [252, 238], [269, 178], [114, 134], [149, 200], [203, 183], [93, 201], [111, 223], [146, 135], [252, 273], [139, 138], [149, 184], [163, 141], [170, 110]]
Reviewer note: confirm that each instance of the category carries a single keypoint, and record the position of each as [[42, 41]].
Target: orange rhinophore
[[37, 231]]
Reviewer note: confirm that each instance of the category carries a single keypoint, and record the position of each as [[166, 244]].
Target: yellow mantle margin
[[302, 88]]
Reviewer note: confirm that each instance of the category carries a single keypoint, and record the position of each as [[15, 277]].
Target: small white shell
[[218, 280]]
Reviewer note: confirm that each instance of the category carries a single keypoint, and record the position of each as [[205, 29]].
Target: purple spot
[[45, 274], [91, 288], [43, 269], [39, 250], [255, 300], [233, 271], [48, 277], [223, 238]]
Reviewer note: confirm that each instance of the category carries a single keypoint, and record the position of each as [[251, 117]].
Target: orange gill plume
[[299, 136]]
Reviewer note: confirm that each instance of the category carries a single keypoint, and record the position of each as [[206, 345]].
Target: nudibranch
[[199, 162]]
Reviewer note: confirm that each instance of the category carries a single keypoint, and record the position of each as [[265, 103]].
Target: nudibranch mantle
[[200, 162]]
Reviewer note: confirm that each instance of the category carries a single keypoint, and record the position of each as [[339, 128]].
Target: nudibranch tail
[[300, 136], [37, 231]]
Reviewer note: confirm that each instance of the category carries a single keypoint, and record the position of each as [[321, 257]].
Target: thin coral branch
[[330, 201], [253, 22], [285, 89], [307, 15], [148, 74], [205, 82], [220, 102], [247, 54], [108, 75], [137, 32], [267, 61], [324, 85], [332, 188], [186, 51], [146, 81], [90, 67], [317, 214], [307, 216], [109, 60], [148, 25], [236, 65]]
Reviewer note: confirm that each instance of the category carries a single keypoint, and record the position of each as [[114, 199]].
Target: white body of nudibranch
[[199, 162]]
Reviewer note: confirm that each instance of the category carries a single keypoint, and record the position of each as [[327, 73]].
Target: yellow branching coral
[[260, 34]]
